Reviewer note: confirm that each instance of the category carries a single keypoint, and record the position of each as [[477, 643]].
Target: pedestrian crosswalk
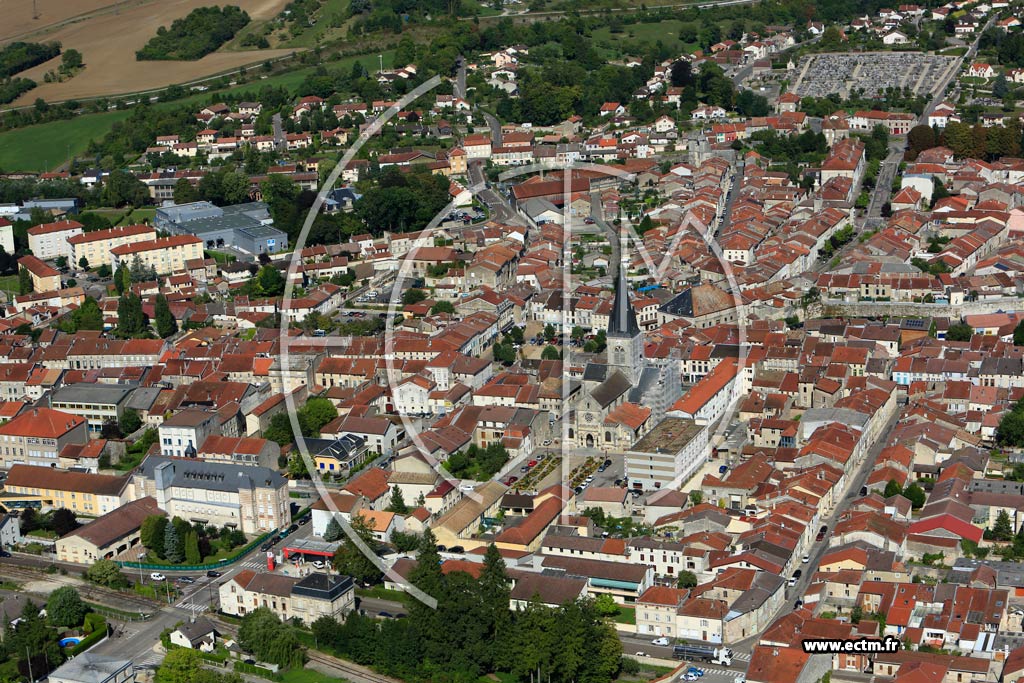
[[742, 656], [730, 673], [150, 659], [253, 564], [192, 606]]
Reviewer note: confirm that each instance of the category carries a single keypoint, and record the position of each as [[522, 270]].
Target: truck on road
[[707, 653]]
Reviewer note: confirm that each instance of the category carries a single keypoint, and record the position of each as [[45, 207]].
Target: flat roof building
[[248, 227], [670, 453]]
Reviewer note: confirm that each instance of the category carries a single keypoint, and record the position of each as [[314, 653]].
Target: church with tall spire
[[625, 341], [627, 394]]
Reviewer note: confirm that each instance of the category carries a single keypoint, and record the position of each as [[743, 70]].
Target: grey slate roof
[[210, 476], [622, 321], [90, 392], [615, 386]]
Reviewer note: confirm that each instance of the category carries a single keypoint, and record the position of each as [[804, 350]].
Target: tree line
[[194, 36], [18, 56], [472, 632]]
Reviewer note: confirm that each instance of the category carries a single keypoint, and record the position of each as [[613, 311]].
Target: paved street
[[499, 207], [883, 185], [819, 549], [940, 89]]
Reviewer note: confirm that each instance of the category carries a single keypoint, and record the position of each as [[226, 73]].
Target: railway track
[[352, 672], [105, 598]]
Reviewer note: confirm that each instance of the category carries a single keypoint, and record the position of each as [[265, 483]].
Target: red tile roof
[[42, 423]]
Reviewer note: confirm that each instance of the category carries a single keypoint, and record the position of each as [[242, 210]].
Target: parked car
[[641, 654], [806, 559], [722, 469], [213, 574], [293, 528], [317, 564], [157, 576], [511, 480], [185, 579], [791, 582], [532, 463]]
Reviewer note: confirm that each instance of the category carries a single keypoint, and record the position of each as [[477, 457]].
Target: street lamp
[[142, 576]]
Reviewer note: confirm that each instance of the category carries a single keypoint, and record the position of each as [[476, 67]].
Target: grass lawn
[[382, 593], [483, 7], [138, 216], [219, 256], [46, 146], [303, 676], [634, 35], [626, 615], [9, 284], [42, 533]]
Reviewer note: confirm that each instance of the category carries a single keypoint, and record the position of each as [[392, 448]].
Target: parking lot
[[464, 217]]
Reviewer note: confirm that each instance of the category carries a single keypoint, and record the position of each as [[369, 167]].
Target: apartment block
[[163, 254], [96, 247]]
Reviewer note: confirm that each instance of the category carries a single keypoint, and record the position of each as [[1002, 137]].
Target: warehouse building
[[248, 227]]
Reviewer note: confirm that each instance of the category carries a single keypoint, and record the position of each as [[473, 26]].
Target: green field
[[290, 79], [9, 284], [635, 35], [322, 30], [47, 146], [138, 216]]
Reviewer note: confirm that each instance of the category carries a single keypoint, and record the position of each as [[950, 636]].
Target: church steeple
[[625, 342], [622, 321]]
